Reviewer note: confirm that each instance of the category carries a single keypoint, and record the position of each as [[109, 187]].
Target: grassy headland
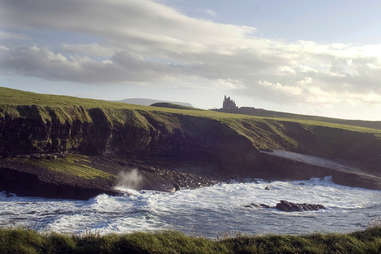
[[72, 165], [14, 103], [12, 97], [32, 123], [26, 241]]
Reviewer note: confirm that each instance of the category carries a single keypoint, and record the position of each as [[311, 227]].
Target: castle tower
[[229, 105]]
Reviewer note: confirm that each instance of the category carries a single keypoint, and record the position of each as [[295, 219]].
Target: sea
[[214, 211]]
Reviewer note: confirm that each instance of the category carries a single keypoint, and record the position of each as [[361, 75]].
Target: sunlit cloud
[[145, 41]]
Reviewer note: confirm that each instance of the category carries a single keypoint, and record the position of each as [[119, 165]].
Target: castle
[[229, 105]]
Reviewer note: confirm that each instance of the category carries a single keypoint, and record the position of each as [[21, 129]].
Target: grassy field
[[72, 165], [22, 241], [270, 113], [9, 97], [205, 128]]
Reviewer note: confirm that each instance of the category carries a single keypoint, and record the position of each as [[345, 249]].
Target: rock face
[[255, 205], [230, 144], [36, 130], [127, 133], [27, 184], [287, 206]]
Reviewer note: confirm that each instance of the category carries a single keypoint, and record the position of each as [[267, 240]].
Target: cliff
[[227, 145]]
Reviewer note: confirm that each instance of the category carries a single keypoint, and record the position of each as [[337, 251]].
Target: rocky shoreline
[[25, 175], [85, 146], [41, 174]]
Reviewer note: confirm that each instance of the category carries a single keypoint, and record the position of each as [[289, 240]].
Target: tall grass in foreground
[[28, 241]]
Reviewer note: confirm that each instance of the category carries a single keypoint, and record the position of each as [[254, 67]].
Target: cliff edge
[[60, 141]]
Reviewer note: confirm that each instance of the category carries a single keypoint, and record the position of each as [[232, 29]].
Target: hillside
[[229, 106], [66, 141], [148, 102], [269, 113], [171, 105]]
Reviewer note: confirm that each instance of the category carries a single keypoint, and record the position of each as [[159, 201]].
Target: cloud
[[8, 35], [91, 49], [145, 41], [137, 21], [211, 13], [44, 63]]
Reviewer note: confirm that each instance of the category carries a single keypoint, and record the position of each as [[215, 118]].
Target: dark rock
[[36, 156], [198, 139], [51, 156], [254, 205], [9, 194], [287, 206], [176, 186], [267, 188], [26, 184], [121, 163]]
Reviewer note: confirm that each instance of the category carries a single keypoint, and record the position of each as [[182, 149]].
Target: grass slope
[[11, 97], [26, 241], [211, 129], [277, 114], [72, 165]]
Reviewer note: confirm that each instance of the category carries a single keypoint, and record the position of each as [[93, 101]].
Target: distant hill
[[171, 105], [276, 114], [148, 102], [229, 106]]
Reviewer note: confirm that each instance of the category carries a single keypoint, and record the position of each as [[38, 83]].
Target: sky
[[310, 57]]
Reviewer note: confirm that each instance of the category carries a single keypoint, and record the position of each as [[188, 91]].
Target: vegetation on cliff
[[72, 165], [229, 106], [63, 111], [33, 123], [26, 241]]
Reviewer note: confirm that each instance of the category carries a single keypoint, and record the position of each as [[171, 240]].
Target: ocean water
[[209, 211]]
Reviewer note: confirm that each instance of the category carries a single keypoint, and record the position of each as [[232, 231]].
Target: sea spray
[[129, 180], [205, 211]]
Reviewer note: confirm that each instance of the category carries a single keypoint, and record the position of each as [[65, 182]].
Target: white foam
[[217, 208]]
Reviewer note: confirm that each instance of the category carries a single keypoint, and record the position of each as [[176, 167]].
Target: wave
[[200, 211]]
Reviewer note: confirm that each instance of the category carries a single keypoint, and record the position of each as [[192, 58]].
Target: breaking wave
[[207, 211]]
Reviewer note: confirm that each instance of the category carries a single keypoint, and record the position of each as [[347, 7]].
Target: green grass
[[262, 132], [72, 165], [270, 113], [11, 97], [22, 241]]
